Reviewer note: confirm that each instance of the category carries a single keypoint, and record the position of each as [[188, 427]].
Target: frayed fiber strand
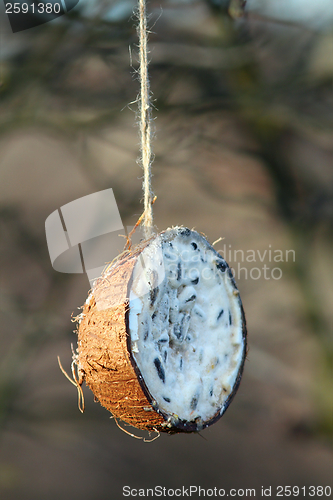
[[145, 119]]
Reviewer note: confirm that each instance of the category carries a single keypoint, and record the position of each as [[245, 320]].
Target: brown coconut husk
[[104, 360]]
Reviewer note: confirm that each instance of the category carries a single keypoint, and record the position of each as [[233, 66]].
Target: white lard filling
[[185, 325]]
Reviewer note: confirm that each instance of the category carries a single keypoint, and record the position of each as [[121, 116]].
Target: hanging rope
[[145, 120]]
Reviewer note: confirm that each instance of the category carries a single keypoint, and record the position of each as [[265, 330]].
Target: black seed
[[159, 369], [153, 295], [165, 355], [181, 363], [211, 392], [185, 319], [179, 271], [178, 330], [220, 314], [153, 315], [195, 282], [194, 403], [230, 318], [221, 265], [146, 335], [166, 399], [198, 313], [194, 245], [193, 297], [161, 341], [185, 232]]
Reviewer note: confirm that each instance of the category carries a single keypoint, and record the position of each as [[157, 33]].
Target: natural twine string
[[145, 120]]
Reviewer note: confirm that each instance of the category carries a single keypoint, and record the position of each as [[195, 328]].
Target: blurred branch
[[195, 56]]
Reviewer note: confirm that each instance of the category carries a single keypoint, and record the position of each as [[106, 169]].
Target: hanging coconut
[[162, 335]]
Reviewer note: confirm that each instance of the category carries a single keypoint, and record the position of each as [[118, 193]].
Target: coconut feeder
[[162, 334]]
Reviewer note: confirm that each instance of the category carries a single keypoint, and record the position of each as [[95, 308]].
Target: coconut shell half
[[162, 336]]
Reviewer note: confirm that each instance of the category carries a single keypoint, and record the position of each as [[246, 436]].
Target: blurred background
[[243, 150]]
